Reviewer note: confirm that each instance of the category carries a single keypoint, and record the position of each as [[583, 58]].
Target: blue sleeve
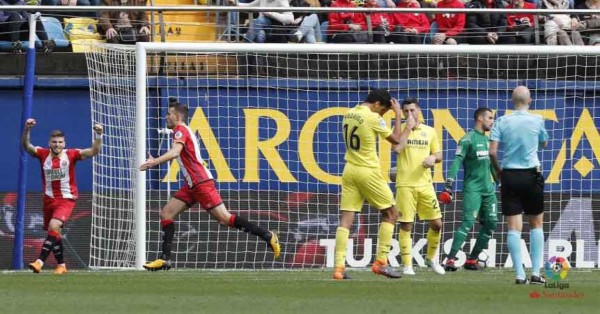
[[543, 137], [495, 135]]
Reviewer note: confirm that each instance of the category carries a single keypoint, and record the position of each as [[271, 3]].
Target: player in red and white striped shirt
[[60, 187], [199, 188]]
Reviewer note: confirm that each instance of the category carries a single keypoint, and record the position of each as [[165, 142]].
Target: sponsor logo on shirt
[[418, 142], [483, 154], [55, 174]]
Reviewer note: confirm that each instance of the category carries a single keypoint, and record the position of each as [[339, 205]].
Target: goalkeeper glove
[[445, 197]]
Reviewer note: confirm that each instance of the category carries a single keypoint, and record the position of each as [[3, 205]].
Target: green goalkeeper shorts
[[477, 206]]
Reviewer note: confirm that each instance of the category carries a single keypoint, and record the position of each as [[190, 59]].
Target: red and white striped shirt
[[189, 159], [58, 173]]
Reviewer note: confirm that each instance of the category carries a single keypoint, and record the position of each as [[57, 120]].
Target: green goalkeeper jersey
[[472, 152]]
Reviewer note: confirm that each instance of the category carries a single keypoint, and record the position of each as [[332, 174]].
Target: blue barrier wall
[[65, 104]]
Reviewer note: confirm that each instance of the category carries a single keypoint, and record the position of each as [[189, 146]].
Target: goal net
[[268, 124]]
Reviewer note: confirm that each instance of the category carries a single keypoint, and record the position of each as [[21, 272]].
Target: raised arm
[[171, 154], [25, 137], [95, 149], [400, 136]]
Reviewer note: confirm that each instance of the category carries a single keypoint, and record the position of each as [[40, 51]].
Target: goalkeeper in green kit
[[479, 197]]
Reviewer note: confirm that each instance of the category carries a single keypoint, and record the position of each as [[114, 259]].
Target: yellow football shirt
[[360, 129], [422, 142]]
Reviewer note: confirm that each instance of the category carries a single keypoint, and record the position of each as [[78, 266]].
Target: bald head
[[521, 97]]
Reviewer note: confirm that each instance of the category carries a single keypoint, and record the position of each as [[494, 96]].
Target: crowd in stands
[[419, 28], [348, 27], [124, 27]]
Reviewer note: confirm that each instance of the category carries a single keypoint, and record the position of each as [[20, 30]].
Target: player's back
[[520, 134], [360, 128]]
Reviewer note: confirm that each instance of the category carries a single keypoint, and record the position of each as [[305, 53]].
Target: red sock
[[165, 222]]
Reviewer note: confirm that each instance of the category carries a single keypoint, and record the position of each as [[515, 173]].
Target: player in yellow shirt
[[414, 188], [362, 178]]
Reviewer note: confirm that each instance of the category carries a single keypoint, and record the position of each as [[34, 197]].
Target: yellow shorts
[[360, 183], [417, 199]]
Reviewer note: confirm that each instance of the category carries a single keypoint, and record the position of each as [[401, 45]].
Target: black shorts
[[522, 191]]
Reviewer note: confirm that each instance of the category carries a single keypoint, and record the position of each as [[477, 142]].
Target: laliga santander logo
[[557, 268]]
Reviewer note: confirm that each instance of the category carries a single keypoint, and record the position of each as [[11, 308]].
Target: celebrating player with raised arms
[[479, 198], [199, 188], [60, 187]]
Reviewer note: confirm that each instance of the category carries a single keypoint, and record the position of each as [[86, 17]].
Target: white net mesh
[[269, 125]]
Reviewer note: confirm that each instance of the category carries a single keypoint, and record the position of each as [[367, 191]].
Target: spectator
[[386, 3], [309, 26], [485, 28], [588, 24], [450, 25], [125, 27], [380, 23], [324, 19], [15, 24], [265, 20], [91, 14], [428, 4], [520, 26], [557, 27], [410, 28], [346, 27]]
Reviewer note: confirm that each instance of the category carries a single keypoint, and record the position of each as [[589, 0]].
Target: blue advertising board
[[283, 134]]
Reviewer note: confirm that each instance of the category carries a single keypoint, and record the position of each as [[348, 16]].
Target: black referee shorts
[[522, 191]]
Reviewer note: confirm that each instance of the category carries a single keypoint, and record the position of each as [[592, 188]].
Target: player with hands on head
[[362, 178]]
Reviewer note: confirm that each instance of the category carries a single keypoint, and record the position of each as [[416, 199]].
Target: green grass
[[287, 292]]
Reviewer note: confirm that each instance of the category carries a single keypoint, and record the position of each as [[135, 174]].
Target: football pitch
[[198, 291]]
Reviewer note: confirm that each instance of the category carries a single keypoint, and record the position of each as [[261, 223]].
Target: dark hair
[[180, 109], [409, 101], [480, 111], [57, 133], [380, 95]]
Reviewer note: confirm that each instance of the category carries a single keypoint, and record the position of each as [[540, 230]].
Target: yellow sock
[[384, 241], [341, 243], [405, 247], [433, 242]]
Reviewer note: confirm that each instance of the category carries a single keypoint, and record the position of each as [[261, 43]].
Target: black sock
[[48, 245], [241, 223], [168, 229], [58, 251]]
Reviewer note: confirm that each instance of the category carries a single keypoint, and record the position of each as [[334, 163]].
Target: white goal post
[[267, 118]]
